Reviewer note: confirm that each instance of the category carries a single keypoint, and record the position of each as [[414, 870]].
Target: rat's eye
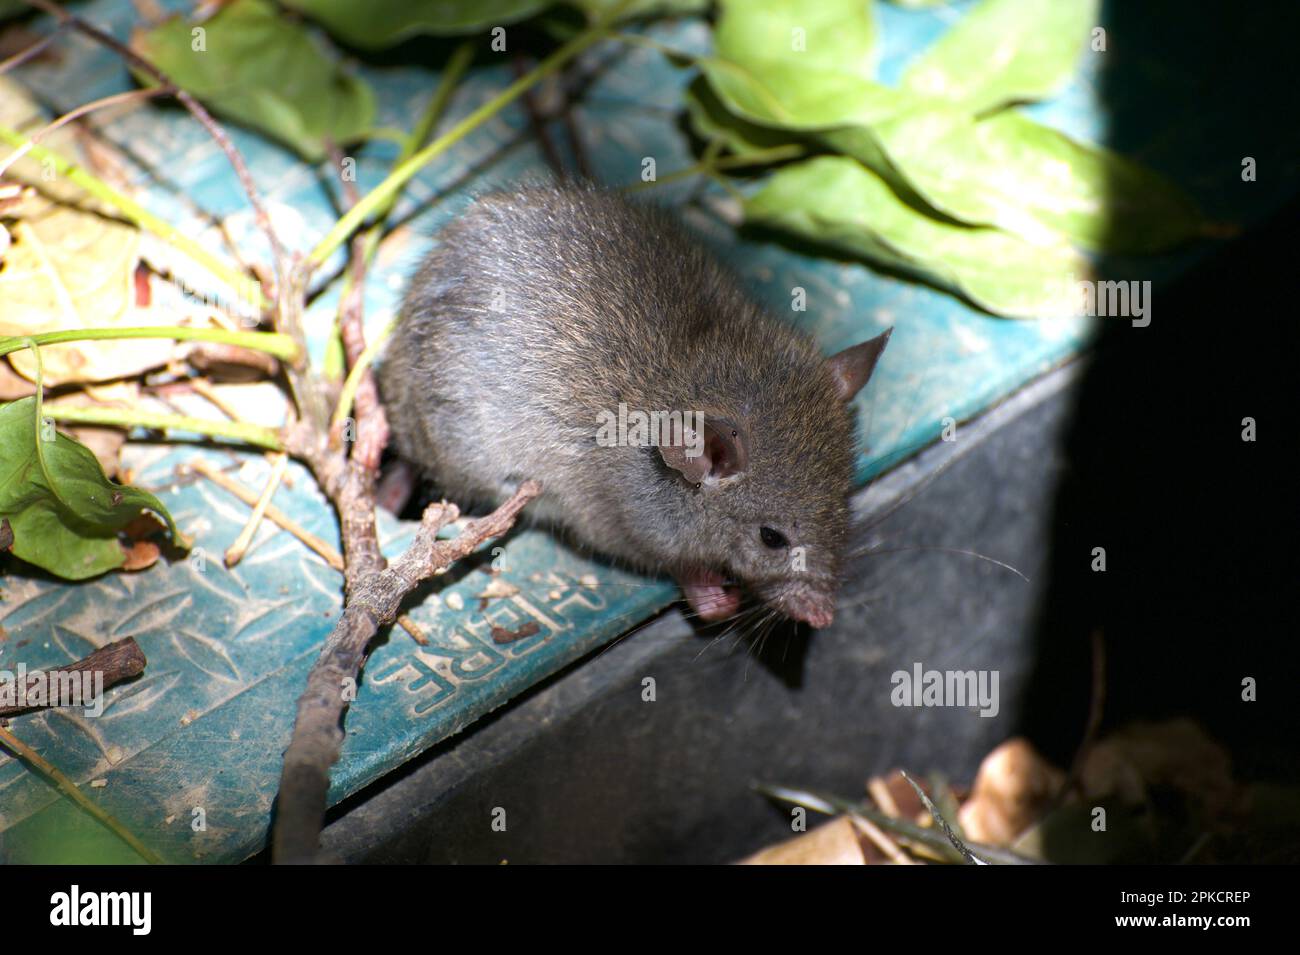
[[772, 538]]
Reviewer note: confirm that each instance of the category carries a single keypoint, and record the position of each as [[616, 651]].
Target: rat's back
[[538, 311], [544, 312]]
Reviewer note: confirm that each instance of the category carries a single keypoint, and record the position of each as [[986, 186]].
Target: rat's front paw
[[710, 596]]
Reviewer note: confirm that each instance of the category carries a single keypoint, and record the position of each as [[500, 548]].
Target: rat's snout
[[808, 604], [819, 615]]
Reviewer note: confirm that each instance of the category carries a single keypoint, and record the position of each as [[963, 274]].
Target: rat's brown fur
[[543, 308]]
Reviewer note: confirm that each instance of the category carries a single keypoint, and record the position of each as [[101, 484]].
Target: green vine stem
[[69, 788], [711, 163], [375, 200], [272, 343], [134, 212], [451, 75], [254, 434], [349, 390]]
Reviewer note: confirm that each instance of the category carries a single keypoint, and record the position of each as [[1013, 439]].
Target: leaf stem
[[272, 343], [254, 434], [349, 390], [374, 200], [451, 74]]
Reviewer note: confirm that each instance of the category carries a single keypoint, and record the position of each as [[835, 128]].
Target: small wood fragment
[[117, 661]]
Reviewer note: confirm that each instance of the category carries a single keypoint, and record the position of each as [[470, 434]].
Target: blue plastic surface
[[229, 650]]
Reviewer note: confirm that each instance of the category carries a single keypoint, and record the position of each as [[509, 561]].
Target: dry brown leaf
[[894, 795], [68, 265], [1176, 753], [1013, 788], [140, 554], [9, 196], [230, 363], [835, 843], [13, 385], [140, 551]]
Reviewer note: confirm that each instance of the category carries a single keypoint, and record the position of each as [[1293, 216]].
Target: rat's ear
[[722, 453], [852, 367]]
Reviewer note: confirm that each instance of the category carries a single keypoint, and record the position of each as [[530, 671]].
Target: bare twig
[[372, 590], [537, 122], [882, 841], [273, 513], [937, 816], [285, 522], [413, 629], [351, 325], [372, 601], [202, 388], [235, 552], [118, 661], [22, 56], [115, 100], [115, 662]]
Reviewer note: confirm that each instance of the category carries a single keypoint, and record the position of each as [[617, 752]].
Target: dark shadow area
[[1199, 591], [1201, 573]]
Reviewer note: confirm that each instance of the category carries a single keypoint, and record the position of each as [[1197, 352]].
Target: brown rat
[[542, 311]]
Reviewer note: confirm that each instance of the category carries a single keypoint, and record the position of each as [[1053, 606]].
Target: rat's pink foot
[[396, 485], [709, 596]]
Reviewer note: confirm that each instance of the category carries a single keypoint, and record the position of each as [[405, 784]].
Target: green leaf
[[711, 120], [799, 64], [643, 8], [1014, 173], [256, 67], [375, 24], [65, 514], [835, 201], [1004, 51]]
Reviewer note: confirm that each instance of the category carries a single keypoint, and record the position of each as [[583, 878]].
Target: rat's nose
[[820, 618], [816, 610]]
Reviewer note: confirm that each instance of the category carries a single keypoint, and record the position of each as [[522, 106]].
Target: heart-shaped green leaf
[[380, 23], [799, 64], [837, 202], [1014, 173], [710, 120], [64, 513], [928, 141], [643, 8], [1004, 51], [251, 64]]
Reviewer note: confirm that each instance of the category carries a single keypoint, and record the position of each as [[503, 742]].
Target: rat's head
[[766, 484]]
